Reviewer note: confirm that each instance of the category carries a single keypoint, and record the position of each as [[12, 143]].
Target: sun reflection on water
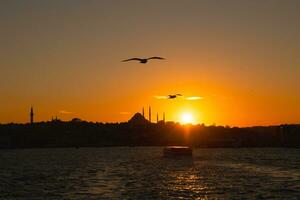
[[185, 182]]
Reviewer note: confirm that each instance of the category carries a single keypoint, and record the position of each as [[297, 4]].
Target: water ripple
[[142, 173]]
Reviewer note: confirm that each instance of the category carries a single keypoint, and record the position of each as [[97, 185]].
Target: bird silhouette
[[143, 60], [173, 96]]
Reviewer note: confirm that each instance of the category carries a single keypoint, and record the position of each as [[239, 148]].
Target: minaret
[[149, 113], [164, 117], [143, 112], [31, 115], [156, 117]]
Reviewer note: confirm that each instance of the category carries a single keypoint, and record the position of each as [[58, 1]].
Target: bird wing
[[155, 57], [170, 96], [139, 59]]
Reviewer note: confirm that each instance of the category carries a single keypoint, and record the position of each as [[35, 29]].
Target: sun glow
[[187, 118]]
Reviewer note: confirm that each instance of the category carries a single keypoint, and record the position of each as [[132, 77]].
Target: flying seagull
[[173, 96], [170, 96], [143, 60]]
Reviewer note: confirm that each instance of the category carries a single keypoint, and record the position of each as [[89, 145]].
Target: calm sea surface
[[142, 173]]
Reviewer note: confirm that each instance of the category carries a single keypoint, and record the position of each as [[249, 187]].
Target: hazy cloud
[[161, 97], [64, 112], [193, 98]]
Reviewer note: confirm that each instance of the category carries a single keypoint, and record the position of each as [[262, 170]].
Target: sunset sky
[[63, 58]]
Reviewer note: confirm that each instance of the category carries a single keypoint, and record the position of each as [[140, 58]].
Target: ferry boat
[[174, 151]]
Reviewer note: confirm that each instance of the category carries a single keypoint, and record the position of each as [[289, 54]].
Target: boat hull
[[177, 151]]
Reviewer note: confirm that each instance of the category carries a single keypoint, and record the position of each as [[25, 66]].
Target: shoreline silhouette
[[138, 131]]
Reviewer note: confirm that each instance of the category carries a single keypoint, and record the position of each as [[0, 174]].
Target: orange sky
[[240, 56]]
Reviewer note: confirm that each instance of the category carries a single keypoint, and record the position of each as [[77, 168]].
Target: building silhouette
[[149, 113], [160, 121], [55, 119], [138, 119], [31, 115]]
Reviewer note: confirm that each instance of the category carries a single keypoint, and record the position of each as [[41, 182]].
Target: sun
[[187, 118]]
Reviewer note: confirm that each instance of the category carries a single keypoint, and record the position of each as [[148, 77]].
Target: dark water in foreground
[[142, 173]]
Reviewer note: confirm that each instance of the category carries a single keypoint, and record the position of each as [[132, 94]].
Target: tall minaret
[[143, 112], [164, 117], [31, 115], [149, 113], [156, 117]]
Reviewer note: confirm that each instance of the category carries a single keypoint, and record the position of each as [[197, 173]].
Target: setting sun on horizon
[[236, 68], [187, 118]]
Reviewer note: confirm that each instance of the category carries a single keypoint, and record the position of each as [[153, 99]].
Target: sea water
[[143, 173]]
